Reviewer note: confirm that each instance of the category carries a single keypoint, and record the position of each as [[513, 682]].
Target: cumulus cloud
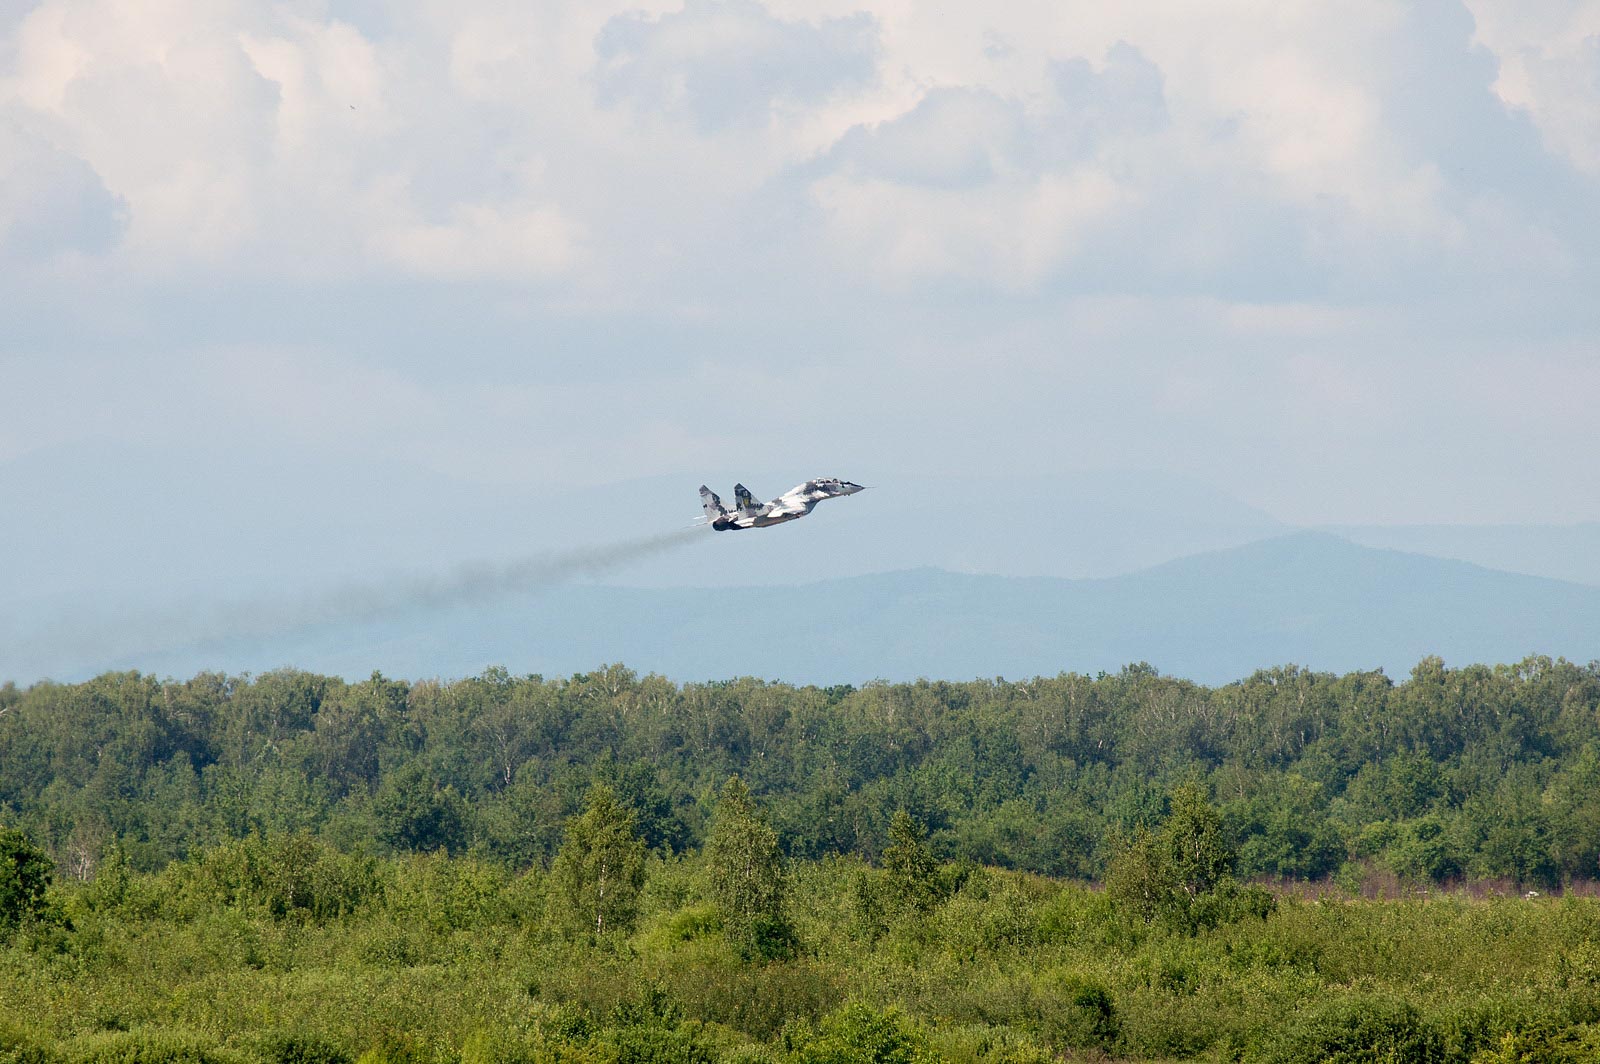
[[1381, 163], [52, 203], [1185, 211], [954, 138], [730, 62], [1126, 94], [639, 157], [264, 140], [164, 105], [1548, 54], [972, 185]]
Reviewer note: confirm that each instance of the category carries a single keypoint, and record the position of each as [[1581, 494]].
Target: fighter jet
[[796, 502]]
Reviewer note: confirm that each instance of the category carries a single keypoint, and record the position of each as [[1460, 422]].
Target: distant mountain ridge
[[194, 525], [1307, 598], [1563, 552]]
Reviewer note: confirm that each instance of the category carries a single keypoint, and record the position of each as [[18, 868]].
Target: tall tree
[[748, 880], [413, 811], [1182, 875], [600, 869], [910, 872], [1199, 857], [1139, 878], [25, 873]]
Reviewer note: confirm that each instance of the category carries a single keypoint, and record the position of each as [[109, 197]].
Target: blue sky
[[1341, 261]]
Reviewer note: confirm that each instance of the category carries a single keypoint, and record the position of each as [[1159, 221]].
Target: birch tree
[[600, 869]]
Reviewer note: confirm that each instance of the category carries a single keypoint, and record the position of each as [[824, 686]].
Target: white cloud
[[1127, 95], [1008, 235], [1549, 54], [264, 141], [484, 242], [550, 144], [953, 138], [730, 62], [1017, 218], [990, 190], [51, 203]]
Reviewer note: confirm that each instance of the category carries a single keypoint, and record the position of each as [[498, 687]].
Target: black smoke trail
[[463, 585], [76, 645]]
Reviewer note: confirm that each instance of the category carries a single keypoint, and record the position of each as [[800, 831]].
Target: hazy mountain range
[[149, 522], [1561, 552], [1307, 598], [920, 577]]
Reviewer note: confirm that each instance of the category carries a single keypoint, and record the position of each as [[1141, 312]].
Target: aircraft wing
[[797, 500]]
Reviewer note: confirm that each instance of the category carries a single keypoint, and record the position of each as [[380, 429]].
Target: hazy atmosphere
[[784, 532], [302, 296]]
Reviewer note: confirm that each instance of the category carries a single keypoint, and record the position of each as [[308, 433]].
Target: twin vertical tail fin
[[712, 505], [746, 501]]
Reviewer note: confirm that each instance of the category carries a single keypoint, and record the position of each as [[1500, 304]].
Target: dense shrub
[[650, 1044], [289, 876], [25, 874], [989, 1045], [1544, 1046], [16, 1047], [1356, 1030], [449, 962], [1063, 1010], [147, 1047], [395, 1047], [757, 999], [1182, 875], [298, 1047], [861, 1034]]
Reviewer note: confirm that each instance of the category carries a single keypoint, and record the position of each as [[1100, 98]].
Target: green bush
[[289, 876], [644, 1044], [389, 945], [1357, 1030], [146, 1047], [861, 1034], [1075, 914], [395, 1047], [1572, 1045], [1062, 1010], [297, 1047], [435, 893], [652, 1005], [692, 923], [1229, 903], [25, 873], [982, 1044], [1075, 1011], [17, 1047], [1168, 1027], [758, 1000]]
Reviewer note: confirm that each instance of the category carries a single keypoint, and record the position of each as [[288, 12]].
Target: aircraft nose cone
[[851, 489]]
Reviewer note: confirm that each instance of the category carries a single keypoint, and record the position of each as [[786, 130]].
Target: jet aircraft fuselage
[[796, 502]]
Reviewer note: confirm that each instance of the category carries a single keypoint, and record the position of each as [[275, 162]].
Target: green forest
[[293, 869]]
